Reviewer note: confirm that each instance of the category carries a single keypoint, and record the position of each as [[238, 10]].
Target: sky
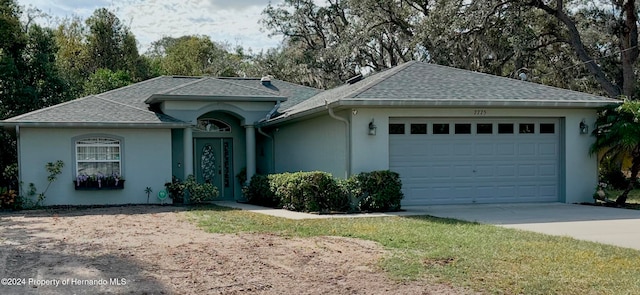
[[231, 21]]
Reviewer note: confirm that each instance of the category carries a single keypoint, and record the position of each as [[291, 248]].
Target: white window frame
[[99, 141]]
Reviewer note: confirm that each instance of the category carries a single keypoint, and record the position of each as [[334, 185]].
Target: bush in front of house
[[259, 192], [200, 192], [320, 192], [375, 191], [308, 191]]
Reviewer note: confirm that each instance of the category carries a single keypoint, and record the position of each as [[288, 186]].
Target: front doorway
[[214, 164]]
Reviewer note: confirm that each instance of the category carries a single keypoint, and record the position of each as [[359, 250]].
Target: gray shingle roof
[[409, 84], [418, 83], [135, 94], [294, 93], [218, 87], [94, 109], [127, 105]]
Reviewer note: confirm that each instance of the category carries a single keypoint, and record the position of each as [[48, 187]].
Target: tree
[[193, 56], [617, 135], [104, 80], [72, 57], [29, 77], [623, 31]]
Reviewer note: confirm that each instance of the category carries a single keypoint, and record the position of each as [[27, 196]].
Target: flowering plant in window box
[[98, 182]]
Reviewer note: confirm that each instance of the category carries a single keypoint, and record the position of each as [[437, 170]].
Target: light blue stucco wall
[[314, 144], [146, 162]]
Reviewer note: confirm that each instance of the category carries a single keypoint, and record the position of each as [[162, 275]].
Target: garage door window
[[440, 128], [396, 128], [484, 128], [505, 128], [418, 128], [527, 128], [547, 128], [463, 128]]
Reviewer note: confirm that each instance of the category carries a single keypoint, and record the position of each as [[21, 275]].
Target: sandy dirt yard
[[154, 250]]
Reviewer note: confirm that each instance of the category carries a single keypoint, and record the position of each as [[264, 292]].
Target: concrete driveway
[[620, 227]]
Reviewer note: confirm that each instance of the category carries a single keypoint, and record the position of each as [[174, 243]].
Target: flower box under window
[[92, 184]]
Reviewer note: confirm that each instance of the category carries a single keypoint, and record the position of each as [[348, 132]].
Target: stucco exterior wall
[[146, 162], [579, 171], [314, 144]]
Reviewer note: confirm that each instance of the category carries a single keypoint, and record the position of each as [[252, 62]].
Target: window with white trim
[[98, 155]]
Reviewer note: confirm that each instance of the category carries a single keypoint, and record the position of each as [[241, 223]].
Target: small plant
[[148, 191], [9, 199], [600, 193], [54, 169], [10, 174], [242, 176], [176, 189]]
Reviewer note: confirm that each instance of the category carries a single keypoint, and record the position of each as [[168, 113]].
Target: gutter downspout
[[19, 188], [348, 139], [273, 141]]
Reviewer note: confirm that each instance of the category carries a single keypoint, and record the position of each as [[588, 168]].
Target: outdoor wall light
[[584, 128], [372, 128]]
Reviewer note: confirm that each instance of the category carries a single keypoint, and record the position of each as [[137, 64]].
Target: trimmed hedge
[[320, 192], [259, 191], [376, 191]]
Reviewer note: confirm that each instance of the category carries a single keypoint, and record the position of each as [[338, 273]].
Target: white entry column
[[251, 151]]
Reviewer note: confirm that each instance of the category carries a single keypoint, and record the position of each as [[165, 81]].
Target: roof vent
[[266, 80], [354, 79], [523, 76]]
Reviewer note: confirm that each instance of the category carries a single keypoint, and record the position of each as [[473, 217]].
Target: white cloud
[[234, 22]]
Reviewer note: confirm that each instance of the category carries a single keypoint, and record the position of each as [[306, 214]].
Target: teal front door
[[214, 164]]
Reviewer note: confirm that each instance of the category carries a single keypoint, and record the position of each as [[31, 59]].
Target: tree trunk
[[629, 49], [578, 46], [635, 168]]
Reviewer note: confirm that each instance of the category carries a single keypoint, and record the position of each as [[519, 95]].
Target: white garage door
[[464, 161]]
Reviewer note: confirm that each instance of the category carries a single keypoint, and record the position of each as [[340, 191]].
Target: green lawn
[[481, 257]]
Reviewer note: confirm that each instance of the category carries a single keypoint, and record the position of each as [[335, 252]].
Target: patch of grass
[[633, 199], [482, 257]]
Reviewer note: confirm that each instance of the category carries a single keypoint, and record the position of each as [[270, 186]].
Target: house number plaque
[[479, 112]]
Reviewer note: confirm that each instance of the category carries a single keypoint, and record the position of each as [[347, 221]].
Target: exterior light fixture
[[584, 128], [372, 128]]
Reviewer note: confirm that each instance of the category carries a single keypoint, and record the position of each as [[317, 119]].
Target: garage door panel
[[484, 149], [548, 170], [548, 149], [463, 149], [477, 168], [439, 149], [527, 170], [505, 149], [526, 149], [506, 170]]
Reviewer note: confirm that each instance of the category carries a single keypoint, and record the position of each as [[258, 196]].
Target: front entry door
[[214, 164]]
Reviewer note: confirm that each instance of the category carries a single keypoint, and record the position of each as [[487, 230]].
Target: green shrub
[[9, 199], [176, 190], [375, 191], [320, 192], [259, 192], [200, 192]]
